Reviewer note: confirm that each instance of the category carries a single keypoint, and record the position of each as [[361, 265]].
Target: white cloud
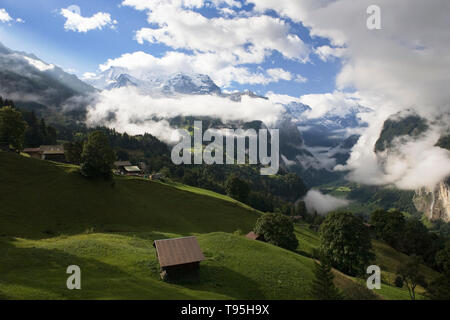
[[127, 110], [279, 74], [405, 62], [221, 46], [403, 66], [141, 64], [78, 23], [409, 164], [339, 103], [326, 53], [41, 66], [281, 98], [4, 16], [300, 79], [88, 76], [323, 203]]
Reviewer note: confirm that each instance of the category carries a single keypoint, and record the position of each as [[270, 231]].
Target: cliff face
[[434, 203]]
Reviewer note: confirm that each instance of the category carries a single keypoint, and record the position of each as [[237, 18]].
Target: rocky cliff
[[434, 203]]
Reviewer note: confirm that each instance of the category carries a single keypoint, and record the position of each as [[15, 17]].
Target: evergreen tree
[[323, 287]]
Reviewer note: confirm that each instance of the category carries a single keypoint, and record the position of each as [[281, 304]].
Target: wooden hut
[[53, 153], [178, 256]]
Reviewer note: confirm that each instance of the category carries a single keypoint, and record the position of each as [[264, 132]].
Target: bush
[[277, 229]]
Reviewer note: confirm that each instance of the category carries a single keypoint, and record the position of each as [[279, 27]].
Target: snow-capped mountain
[[147, 83], [26, 78], [297, 110]]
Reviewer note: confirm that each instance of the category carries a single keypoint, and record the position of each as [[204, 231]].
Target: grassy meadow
[[51, 218]]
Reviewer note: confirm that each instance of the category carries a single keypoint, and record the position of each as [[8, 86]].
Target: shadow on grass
[[221, 280], [37, 273]]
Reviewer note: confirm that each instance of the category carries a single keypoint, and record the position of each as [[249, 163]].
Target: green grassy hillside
[[41, 199], [51, 218], [387, 258]]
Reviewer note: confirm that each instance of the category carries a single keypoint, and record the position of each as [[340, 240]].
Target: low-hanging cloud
[[402, 66], [126, 109], [410, 163], [323, 203]]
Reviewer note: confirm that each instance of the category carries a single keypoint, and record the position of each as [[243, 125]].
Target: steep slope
[[27, 79], [52, 218], [40, 199]]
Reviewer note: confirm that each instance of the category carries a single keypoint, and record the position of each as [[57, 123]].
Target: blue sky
[[43, 33]]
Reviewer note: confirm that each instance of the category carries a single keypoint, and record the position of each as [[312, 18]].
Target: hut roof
[[122, 164], [132, 169], [56, 149], [253, 236], [173, 252], [31, 150]]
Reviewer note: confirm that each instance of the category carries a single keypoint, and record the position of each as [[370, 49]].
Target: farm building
[[132, 170], [179, 255], [254, 236], [33, 152], [47, 152], [53, 153], [120, 164]]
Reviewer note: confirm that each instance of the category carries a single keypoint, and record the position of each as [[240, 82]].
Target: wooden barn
[[120, 166], [254, 236], [53, 153], [132, 170], [47, 152], [178, 256], [33, 153]]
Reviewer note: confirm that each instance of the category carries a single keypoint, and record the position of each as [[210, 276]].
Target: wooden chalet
[[120, 166], [47, 152], [53, 153], [132, 170], [178, 256], [33, 153]]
